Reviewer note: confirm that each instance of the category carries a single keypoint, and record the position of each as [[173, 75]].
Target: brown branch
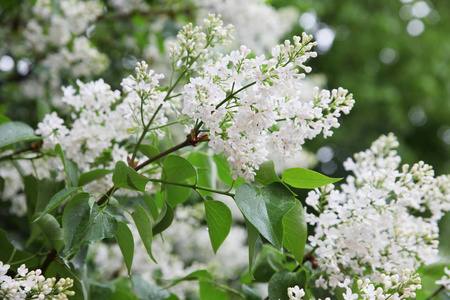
[[187, 142], [51, 256]]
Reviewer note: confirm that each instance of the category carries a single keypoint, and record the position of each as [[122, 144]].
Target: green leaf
[[13, 132], [102, 225], [126, 177], [209, 291], [145, 290], [268, 263], [223, 169], [306, 179], [265, 209], [250, 294], [124, 238], [204, 166], [266, 173], [218, 220], [282, 280], [42, 109], [254, 243], [144, 226], [83, 225], [196, 275], [164, 219], [13, 256], [295, 231], [57, 199], [149, 151], [4, 119], [179, 170], [70, 167], [90, 176], [51, 229]]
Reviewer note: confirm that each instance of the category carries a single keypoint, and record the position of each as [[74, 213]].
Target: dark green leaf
[[254, 243], [265, 209], [152, 206], [83, 225], [266, 173], [90, 176], [70, 167], [51, 229], [124, 238], [295, 231], [102, 225], [306, 179], [126, 177], [179, 170], [144, 226], [57, 199], [283, 279], [149, 151], [13, 132], [164, 219], [13, 256], [219, 220], [269, 262], [145, 290]]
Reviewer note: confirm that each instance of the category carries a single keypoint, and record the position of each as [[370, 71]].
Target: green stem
[[168, 124], [193, 186], [9, 156]]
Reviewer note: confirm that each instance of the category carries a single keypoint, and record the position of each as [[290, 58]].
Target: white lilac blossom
[[253, 106], [191, 49], [396, 286], [49, 26], [383, 217], [445, 280], [32, 285], [259, 26], [96, 125], [142, 93]]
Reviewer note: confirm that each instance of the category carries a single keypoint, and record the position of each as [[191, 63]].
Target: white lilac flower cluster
[[382, 219], [258, 25], [95, 125], [193, 43], [50, 26], [394, 287], [143, 94], [32, 285], [58, 29], [445, 280], [252, 105]]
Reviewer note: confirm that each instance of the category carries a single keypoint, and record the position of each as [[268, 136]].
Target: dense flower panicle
[[32, 285], [383, 218], [252, 106], [191, 49], [394, 287], [142, 92], [96, 125]]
